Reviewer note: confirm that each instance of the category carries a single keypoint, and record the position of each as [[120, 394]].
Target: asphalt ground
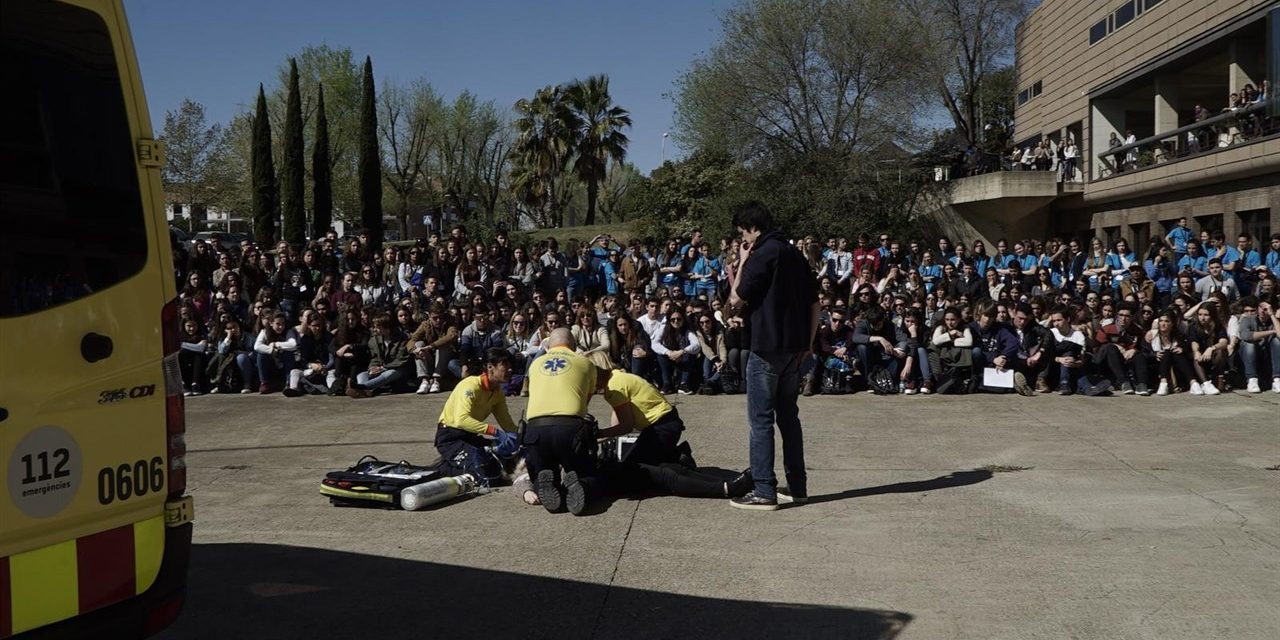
[[931, 517]]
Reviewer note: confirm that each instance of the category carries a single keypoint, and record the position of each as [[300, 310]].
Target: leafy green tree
[[265, 202], [473, 142], [369, 167], [194, 167], [321, 172], [597, 135], [293, 168], [793, 77]]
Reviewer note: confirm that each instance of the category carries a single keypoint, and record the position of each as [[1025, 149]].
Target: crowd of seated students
[[1194, 314]]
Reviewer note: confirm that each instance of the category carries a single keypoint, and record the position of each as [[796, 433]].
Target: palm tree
[[545, 128], [597, 135]]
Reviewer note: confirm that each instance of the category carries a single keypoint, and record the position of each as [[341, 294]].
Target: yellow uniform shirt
[[631, 393], [560, 384], [471, 402]]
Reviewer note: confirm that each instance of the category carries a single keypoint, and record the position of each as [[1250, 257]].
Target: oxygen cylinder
[[420, 496]]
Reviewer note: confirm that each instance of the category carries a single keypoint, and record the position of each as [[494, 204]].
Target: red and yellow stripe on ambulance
[[110, 517]]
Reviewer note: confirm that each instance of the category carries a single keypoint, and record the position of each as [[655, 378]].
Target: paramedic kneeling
[[557, 431], [655, 460], [462, 435]]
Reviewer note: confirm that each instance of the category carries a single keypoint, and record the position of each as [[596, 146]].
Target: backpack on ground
[[881, 382], [834, 382]]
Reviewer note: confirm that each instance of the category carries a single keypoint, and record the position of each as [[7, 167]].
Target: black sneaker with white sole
[[575, 496], [548, 491], [739, 486], [754, 502]]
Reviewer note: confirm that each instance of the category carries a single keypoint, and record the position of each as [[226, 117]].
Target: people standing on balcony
[[1117, 159], [1177, 239], [1028, 158], [1203, 137], [1043, 160], [1015, 159], [1130, 156], [1069, 157]]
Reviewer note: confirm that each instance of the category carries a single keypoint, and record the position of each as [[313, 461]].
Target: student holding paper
[[996, 355]]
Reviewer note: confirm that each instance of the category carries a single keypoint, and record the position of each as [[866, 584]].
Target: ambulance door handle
[[95, 347]]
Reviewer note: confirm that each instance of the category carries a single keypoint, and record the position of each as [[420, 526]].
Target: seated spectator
[[997, 346], [434, 346], [1259, 342], [588, 335], [629, 346], [835, 351], [276, 349], [1035, 344], [1172, 352], [951, 353], [1122, 352], [314, 357], [876, 344], [231, 369], [714, 352], [1070, 351], [1215, 281], [916, 374], [1209, 344], [388, 360], [350, 351], [476, 339], [677, 352], [373, 291], [192, 356]]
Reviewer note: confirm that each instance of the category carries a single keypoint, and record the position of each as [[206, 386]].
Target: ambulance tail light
[[174, 408]]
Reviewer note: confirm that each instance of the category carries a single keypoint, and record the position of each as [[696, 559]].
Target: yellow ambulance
[[95, 526]]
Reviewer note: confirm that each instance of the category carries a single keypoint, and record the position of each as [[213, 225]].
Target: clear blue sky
[[216, 53]]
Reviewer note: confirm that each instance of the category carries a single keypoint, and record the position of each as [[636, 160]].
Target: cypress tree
[[292, 170], [321, 173], [369, 169], [265, 209]]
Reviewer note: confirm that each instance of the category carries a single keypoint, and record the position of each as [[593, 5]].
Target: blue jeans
[[921, 365], [709, 373], [269, 372], [244, 362], [677, 373], [773, 384], [384, 379], [1251, 353]]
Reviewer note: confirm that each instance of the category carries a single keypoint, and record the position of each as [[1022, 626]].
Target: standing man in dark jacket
[[775, 291]]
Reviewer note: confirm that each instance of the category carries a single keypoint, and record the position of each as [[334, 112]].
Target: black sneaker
[[575, 496], [1020, 384], [1065, 390], [291, 392], [785, 496], [1142, 389], [1126, 388], [754, 502], [684, 390], [739, 486], [548, 491]]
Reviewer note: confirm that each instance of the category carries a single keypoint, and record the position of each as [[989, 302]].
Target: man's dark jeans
[[773, 385]]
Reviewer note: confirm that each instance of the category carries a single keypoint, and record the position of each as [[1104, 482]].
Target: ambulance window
[[71, 216]]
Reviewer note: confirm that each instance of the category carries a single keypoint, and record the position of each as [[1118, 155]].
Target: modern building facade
[[1158, 75]]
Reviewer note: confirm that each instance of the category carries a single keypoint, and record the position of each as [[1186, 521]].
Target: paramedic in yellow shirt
[[557, 432], [463, 433]]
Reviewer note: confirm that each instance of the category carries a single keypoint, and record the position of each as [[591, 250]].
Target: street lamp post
[[665, 135]]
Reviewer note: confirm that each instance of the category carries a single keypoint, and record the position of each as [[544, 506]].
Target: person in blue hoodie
[[996, 345]]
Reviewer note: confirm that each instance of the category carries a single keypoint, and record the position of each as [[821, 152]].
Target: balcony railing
[[1244, 124]]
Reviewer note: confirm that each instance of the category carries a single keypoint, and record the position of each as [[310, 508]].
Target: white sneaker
[[1252, 386], [424, 387], [246, 391], [215, 390], [435, 386], [1196, 389], [1164, 388], [1275, 385], [1209, 389]]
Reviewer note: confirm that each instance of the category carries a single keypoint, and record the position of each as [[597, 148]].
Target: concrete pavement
[[1131, 518]]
